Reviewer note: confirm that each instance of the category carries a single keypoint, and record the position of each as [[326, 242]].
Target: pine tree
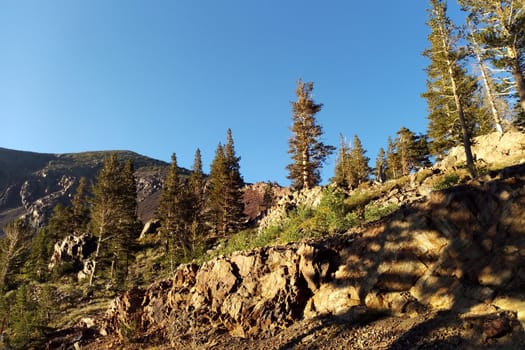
[[14, 246], [72, 219], [307, 151], [61, 222], [175, 212], [234, 204], [491, 93], [449, 88], [352, 165], [501, 32], [393, 163], [113, 218], [412, 150], [217, 186], [225, 195], [128, 224], [197, 181], [380, 168], [27, 320], [360, 169], [342, 164], [80, 207], [197, 185]]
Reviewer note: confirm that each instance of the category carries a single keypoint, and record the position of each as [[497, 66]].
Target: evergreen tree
[[71, 219], [307, 151], [450, 89], [175, 212], [217, 186], [225, 195], [197, 185], [80, 208], [412, 150], [393, 163], [113, 218], [27, 320], [342, 164], [359, 163], [501, 33], [268, 198], [491, 93], [234, 204], [128, 224], [41, 250], [60, 223], [197, 180], [380, 168], [14, 247], [352, 165]]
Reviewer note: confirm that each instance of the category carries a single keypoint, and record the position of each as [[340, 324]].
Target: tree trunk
[[97, 251], [459, 106], [306, 184], [488, 88], [466, 137], [517, 73]]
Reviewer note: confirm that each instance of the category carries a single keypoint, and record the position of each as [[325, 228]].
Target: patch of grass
[[360, 198], [374, 212], [448, 180], [243, 240]]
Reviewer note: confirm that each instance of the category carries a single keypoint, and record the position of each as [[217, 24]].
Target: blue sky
[[158, 77]]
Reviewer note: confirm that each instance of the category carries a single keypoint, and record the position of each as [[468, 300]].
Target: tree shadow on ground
[[462, 248]]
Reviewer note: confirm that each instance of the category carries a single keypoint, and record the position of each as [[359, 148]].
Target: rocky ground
[[430, 330], [444, 271]]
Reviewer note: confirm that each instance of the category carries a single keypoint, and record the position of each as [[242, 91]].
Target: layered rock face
[[462, 249]]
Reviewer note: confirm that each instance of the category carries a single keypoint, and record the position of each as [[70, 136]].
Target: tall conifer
[[380, 167], [307, 150], [113, 218], [174, 212], [500, 28], [197, 183], [352, 166], [225, 195], [450, 88]]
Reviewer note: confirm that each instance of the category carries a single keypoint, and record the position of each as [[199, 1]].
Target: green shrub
[[26, 318], [448, 180]]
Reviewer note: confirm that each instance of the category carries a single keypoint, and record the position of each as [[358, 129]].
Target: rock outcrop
[[462, 250], [287, 201], [75, 250], [490, 149]]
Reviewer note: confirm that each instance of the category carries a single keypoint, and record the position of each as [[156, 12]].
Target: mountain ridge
[[32, 183]]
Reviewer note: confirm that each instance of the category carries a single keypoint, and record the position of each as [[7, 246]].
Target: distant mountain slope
[[33, 183]]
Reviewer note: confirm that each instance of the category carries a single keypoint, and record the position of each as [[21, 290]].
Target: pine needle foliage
[[114, 219], [225, 194], [307, 151], [451, 90], [352, 167]]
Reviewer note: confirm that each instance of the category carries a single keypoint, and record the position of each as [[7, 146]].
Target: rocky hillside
[[32, 184], [445, 271]]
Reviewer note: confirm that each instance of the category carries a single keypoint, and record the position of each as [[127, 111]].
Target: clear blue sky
[[165, 76]]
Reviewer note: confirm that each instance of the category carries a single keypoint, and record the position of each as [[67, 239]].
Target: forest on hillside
[[475, 86]]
